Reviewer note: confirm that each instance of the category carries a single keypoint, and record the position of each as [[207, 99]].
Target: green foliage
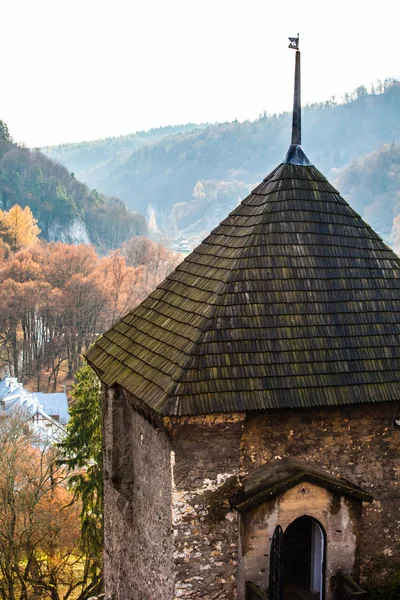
[[64, 204], [390, 590], [112, 223], [81, 451], [58, 200], [371, 184], [4, 133]]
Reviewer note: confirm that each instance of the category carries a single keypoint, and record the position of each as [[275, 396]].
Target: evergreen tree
[[4, 133], [64, 205], [82, 454]]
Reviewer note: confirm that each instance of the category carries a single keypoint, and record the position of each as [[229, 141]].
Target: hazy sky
[[78, 70]]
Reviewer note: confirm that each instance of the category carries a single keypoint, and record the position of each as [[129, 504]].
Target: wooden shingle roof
[[292, 301]]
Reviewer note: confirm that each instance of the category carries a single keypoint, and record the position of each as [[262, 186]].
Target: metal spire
[[295, 155]]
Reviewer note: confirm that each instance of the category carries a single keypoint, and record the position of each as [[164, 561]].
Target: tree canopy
[[56, 298], [41, 555], [18, 228], [81, 452]]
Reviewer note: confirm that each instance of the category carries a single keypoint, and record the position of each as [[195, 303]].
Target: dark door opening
[[303, 560]]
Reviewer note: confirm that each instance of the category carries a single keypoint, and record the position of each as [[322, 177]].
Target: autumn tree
[[18, 228], [62, 261], [124, 283], [85, 313], [12, 307], [138, 251], [55, 299], [40, 551], [28, 315], [155, 258]]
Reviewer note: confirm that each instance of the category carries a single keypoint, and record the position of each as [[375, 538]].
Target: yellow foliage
[[18, 228]]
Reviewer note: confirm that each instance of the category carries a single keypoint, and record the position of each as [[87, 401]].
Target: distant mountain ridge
[[163, 171], [83, 157]]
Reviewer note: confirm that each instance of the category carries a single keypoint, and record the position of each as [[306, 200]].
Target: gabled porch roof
[[271, 481]]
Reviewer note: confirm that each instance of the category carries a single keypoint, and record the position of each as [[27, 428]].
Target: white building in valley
[[47, 413]]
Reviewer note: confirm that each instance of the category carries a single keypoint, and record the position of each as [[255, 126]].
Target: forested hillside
[[371, 184], [65, 208], [98, 155], [228, 158]]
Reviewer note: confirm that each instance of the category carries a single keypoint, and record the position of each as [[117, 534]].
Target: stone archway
[[303, 549], [275, 498]]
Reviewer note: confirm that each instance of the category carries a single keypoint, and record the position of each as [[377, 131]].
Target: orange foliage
[[55, 299], [39, 523]]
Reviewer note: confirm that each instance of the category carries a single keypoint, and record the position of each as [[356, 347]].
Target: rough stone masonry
[[171, 532]]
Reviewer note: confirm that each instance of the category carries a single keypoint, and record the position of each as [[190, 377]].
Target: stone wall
[[138, 553], [170, 531], [357, 443], [206, 469], [338, 516]]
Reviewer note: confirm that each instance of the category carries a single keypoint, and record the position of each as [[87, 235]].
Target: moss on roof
[[292, 301]]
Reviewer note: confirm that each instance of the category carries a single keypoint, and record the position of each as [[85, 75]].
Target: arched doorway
[[303, 548]]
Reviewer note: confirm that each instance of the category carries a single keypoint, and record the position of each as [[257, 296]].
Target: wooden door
[[276, 565]]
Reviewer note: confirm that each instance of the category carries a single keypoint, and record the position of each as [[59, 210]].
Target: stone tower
[[249, 405]]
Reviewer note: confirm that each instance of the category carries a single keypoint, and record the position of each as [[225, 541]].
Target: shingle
[[292, 301]]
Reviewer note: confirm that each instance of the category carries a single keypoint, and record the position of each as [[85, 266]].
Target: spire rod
[[295, 155], [296, 121]]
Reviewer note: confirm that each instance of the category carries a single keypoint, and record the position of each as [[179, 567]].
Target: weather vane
[[294, 43], [295, 155]]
